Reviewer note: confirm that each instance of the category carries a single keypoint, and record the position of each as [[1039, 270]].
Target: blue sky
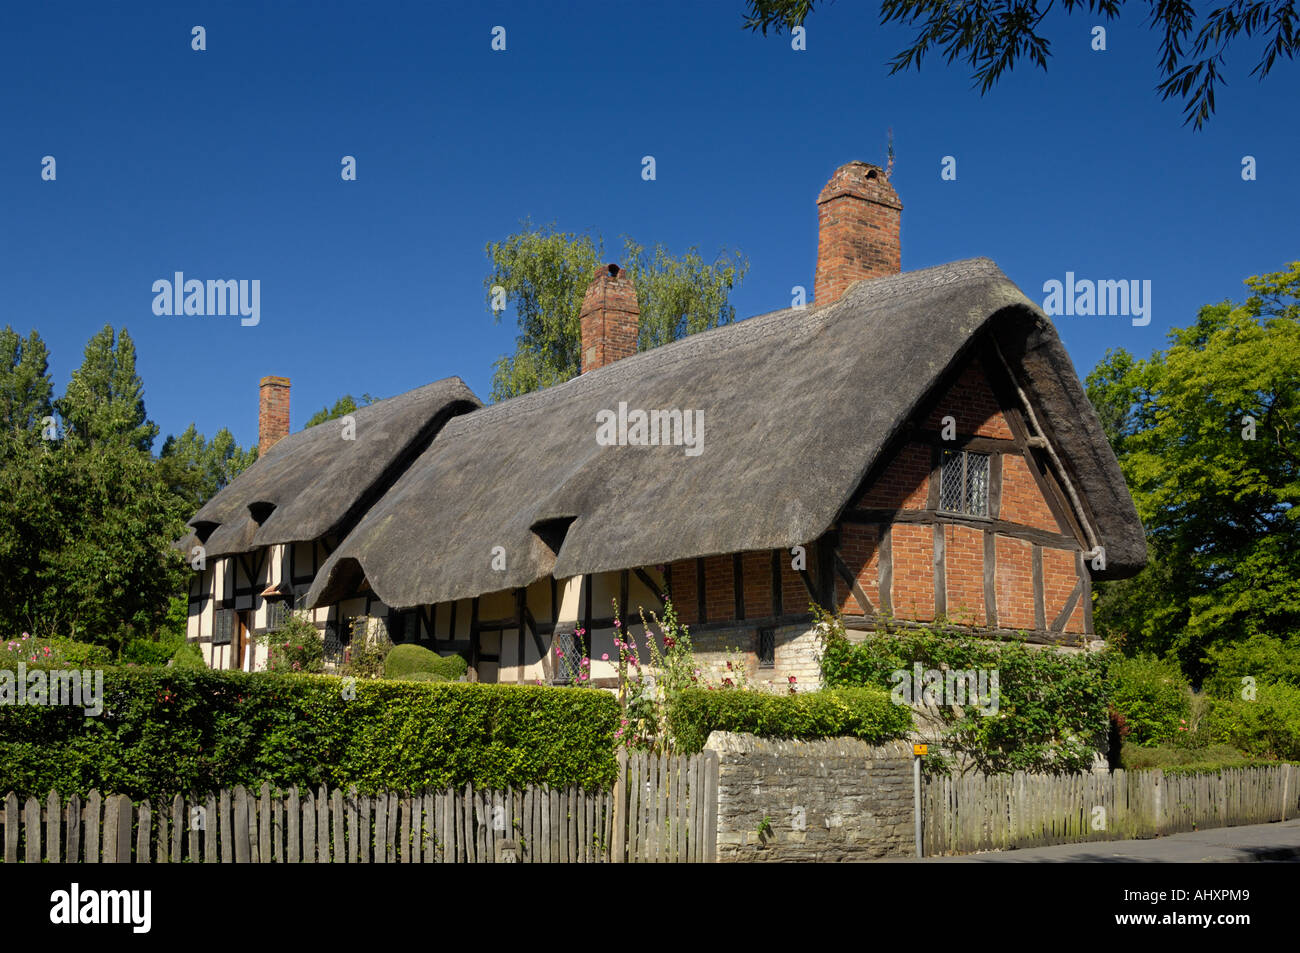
[[225, 164]]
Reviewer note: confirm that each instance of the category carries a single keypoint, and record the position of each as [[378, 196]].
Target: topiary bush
[[408, 658], [1152, 697], [866, 713], [169, 731], [422, 677]]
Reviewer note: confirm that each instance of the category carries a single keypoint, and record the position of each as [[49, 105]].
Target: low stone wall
[[838, 799]]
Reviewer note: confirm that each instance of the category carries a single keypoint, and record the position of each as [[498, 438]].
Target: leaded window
[[964, 483]]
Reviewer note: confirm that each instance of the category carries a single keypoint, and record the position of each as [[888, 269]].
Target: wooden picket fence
[[664, 816], [991, 812]]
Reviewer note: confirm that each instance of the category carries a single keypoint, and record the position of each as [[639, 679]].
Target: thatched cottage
[[914, 445]]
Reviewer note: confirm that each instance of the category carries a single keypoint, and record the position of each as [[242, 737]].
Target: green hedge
[[167, 731], [1051, 713], [1153, 698], [1267, 726], [407, 659], [865, 713]]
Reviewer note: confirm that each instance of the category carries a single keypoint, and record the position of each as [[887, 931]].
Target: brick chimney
[[858, 216], [610, 315], [273, 414]]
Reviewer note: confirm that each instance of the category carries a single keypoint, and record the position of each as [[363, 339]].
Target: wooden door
[[238, 640]]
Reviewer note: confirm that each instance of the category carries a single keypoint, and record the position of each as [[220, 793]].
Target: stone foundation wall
[[838, 799]]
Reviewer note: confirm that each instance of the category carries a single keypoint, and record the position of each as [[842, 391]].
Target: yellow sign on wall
[[920, 750]]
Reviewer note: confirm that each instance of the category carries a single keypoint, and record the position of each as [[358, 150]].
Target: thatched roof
[[798, 405], [314, 482]]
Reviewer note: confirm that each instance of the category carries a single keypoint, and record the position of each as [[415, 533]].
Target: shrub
[[1153, 698], [865, 713], [1262, 657], [366, 652], [296, 646], [1267, 726], [189, 656], [54, 652], [1176, 758], [422, 677], [147, 651], [408, 658], [168, 731], [1051, 706]]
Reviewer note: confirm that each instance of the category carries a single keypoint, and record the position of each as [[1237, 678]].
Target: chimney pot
[[609, 319], [858, 217], [273, 413]]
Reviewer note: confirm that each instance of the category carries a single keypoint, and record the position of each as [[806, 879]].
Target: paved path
[[1249, 844]]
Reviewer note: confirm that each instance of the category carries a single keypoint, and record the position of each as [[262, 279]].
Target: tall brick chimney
[[858, 216], [610, 315], [273, 414]]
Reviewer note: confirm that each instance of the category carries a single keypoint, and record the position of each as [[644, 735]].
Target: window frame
[[965, 456]]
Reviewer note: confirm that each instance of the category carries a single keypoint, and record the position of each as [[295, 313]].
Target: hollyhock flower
[[617, 624], [604, 656]]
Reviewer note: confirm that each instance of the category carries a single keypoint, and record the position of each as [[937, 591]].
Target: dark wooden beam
[[993, 445], [995, 486], [936, 477], [1029, 534], [624, 585], [1040, 598], [754, 624], [451, 630], [521, 611], [777, 594], [650, 584], [1035, 637], [991, 577], [701, 612], [474, 646], [885, 568], [738, 584], [531, 623], [854, 586], [1086, 578], [1059, 624], [940, 576]]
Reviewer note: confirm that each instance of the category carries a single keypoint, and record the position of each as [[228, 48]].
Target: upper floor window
[[964, 486]]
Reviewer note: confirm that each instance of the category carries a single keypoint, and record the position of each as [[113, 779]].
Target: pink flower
[[617, 624], [622, 721], [559, 653], [604, 656]]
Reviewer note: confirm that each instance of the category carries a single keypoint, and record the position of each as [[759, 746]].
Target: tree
[[347, 404], [104, 402], [25, 387], [992, 35], [1207, 433], [545, 273], [87, 521], [195, 469]]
